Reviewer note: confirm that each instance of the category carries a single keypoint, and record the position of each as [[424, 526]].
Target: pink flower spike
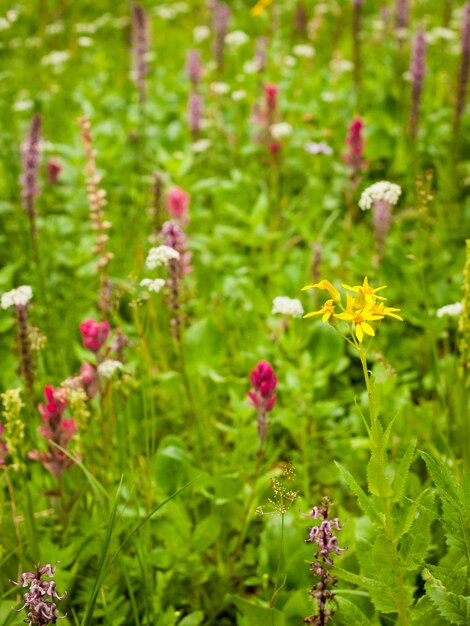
[[270, 94], [54, 168], [177, 202], [94, 334], [262, 397]]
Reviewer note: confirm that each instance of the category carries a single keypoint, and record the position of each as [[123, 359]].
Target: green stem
[[388, 518]]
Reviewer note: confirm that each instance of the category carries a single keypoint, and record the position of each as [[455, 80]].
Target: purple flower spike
[[30, 157], [40, 597], [328, 547], [417, 73]]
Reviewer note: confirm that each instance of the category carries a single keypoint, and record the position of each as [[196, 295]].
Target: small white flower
[[55, 28], [4, 24], [201, 145], [240, 94], [318, 147], [201, 33], [290, 61], [383, 190], [165, 13], [85, 29], [85, 42], [280, 130], [161, 255], [107, 368], [56, 57], [341, 66], [287, 306], [23, 105], [220, 88], [454, 310], [251, 66], [304, 50], [154, 285], [236, 38], [12, 15], [328, 96], [16, 297]]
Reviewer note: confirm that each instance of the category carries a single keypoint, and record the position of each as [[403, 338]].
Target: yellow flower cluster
[[363, 305], [260, 7]]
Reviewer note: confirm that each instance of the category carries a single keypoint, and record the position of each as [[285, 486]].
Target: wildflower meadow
[[235, 312]]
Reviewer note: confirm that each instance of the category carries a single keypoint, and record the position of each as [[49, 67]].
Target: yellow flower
[[260, 7], [379, 308], [327, 310], [366, 291], [360, 318], [327, 286]]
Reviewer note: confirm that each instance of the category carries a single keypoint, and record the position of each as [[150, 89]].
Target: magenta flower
[[3, 446], [262, 397], [54, 169], [271, 93], [177, 202], [355, 141], [40, 597], [56, 429], [89, 379], [94, 334]]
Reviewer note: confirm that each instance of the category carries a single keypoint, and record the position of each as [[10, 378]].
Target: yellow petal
[[307, 287], [326, 317], [313, 313], [359, 333], [350, 288], [344, 316], [367, 328]]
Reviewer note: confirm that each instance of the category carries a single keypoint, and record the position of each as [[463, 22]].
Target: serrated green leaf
[[399, 483], [453, 579], [376, 479], [448, 487], [363, 500], [415, 544], [348, 614], [451, 606]]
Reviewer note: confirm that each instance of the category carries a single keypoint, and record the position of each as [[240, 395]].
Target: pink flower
[[177, 202], [3, 447], [94, 334], [89, 379], [55, 429], [270, 95], [355, 141], [54, 169], [262, 397]]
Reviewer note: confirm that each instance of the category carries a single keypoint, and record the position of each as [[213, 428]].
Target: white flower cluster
[[161, 255], [318, 147], [17, 297], [280, 130], [201, 33], [220, 87], [304, 50], [454, 310], [287, 306], [236, 38], [385, 191], [154, 285], [107, 368]]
